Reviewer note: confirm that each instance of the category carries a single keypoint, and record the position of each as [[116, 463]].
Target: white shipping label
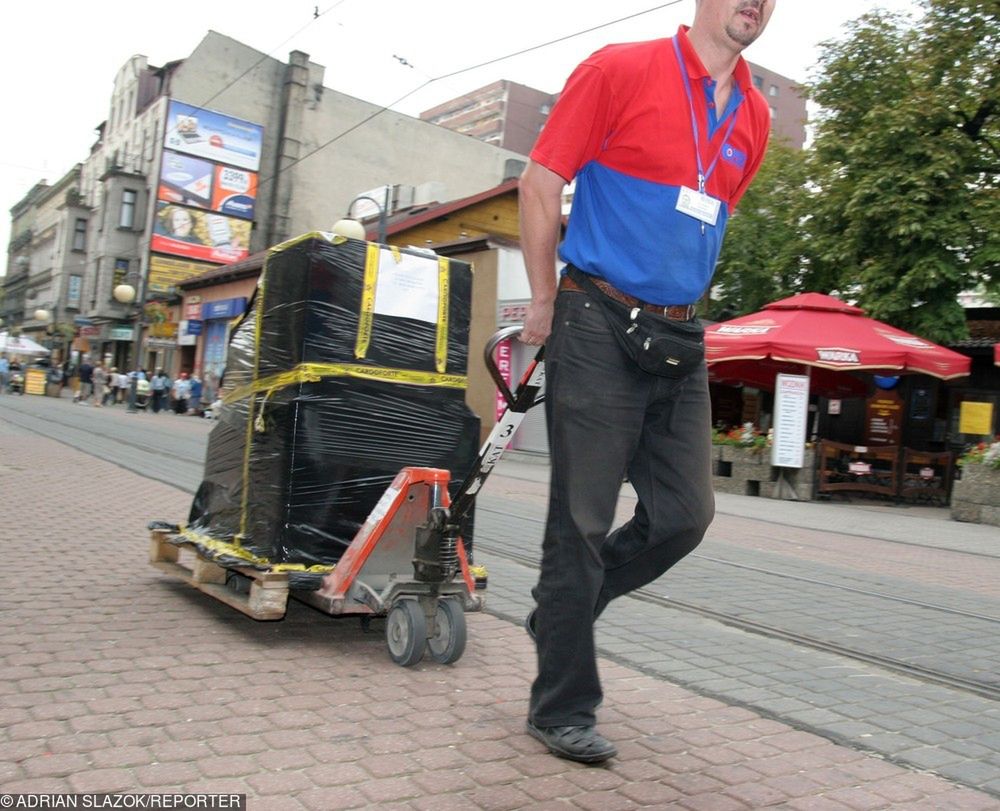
[[407, 288]]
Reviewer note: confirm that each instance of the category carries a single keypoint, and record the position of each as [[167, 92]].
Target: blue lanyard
[[703, 175]]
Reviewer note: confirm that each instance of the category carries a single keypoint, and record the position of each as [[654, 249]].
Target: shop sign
[[163, 329], [511, 312], [166, 273], [121, 334], [192, 307], [223, 308], [185, 338]]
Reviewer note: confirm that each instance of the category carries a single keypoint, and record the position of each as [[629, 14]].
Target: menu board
[[791, 414]]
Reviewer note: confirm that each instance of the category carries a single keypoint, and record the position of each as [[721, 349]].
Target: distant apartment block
[[511, 115]]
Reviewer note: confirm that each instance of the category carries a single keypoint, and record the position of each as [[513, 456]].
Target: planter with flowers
[[741, 464], [975, 496]]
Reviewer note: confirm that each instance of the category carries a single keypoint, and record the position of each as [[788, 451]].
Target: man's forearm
[[541, 215]]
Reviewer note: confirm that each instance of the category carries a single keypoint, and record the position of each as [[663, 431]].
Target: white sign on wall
[[791, 415]]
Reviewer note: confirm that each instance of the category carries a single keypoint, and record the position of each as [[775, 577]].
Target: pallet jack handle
[[527, 395], [511, 398]]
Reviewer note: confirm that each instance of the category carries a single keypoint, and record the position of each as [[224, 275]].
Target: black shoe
[[529, 624], [584, 744]]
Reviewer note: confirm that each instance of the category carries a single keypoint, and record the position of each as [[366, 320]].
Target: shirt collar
[[696, 69]]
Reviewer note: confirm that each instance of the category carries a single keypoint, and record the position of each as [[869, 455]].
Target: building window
[[73, 291], [758, 82], [120, 274], [126, 217], [774, 113], [80, 235], [772, 90]]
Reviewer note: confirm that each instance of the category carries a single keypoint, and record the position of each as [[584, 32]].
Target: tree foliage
[[900, 204], [763, 255]]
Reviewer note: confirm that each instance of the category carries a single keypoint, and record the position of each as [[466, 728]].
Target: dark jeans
[[607, 418]]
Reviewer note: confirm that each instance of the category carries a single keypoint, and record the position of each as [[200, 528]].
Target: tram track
[[926, 674], [83, 439]]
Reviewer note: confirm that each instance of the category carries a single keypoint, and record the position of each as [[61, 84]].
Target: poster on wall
[[195, 182], [166, 273], [975, 419], [196, 234], [185, 180], [234, 192], [212, 135]]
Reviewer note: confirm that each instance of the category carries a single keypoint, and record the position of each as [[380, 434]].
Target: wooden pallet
[[267, 598]]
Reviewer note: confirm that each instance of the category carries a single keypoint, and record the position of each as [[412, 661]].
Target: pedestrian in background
[[4, 373], [85, 374], [194, 399], [100, 378], [181, 392], [662, 139], [111, 387], [160, 388], [124, 386]]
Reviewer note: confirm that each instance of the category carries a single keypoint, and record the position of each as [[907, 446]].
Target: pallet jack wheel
[[447, 644], [406, 632]]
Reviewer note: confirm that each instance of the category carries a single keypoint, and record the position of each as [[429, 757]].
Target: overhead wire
[[459, 72]]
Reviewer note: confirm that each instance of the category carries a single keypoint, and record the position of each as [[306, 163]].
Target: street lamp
[[126, 294], [350, 227]]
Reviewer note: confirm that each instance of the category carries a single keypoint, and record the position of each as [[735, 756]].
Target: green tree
[[762, 258], [906, 161]]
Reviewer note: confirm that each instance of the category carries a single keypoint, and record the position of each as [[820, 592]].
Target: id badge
[[702, 207]]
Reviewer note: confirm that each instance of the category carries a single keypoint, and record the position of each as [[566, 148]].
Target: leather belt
[[675, 312]]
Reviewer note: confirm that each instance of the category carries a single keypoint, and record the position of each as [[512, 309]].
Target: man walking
[[86, 379], [662, 138]]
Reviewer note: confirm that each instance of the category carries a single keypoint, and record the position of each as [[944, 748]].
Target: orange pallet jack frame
[[407, 562]]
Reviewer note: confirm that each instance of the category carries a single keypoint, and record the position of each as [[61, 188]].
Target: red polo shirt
[[622, 127]]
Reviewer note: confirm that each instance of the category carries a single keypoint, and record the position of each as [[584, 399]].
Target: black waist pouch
[[656, 344]]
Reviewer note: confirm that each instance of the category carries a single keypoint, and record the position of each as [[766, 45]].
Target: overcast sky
[[58, 59]]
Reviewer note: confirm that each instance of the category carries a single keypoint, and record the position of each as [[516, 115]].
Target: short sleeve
[[578, 125]]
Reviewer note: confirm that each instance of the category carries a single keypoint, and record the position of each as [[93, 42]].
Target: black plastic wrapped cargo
[[349, 365]]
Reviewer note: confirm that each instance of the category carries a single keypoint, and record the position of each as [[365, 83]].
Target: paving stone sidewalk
[[113, 677]]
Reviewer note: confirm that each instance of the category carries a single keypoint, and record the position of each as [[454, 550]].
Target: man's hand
[[537, 323]]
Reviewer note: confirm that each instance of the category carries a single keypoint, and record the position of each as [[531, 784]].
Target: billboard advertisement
[[217, 137], [202, 235], [192, 181], [166, 273]]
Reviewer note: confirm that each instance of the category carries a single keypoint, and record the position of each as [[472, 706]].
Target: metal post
[[383, 212], [137, 346]]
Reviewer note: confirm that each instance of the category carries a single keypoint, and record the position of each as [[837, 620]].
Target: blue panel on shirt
[[614, 215]]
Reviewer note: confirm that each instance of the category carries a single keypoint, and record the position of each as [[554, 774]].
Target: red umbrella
[[827, 335]]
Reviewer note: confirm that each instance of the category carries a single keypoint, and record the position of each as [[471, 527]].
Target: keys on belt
[[675, 312]]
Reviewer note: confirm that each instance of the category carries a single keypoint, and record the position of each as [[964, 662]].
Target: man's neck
[[719, 58]]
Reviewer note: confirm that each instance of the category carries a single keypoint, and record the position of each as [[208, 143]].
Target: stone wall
[[748, 472], [976, 496]]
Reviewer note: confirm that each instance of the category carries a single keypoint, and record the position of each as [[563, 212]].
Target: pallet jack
[[406, 562]]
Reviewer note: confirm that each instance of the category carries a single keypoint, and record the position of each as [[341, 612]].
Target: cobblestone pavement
[[113, 677]]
